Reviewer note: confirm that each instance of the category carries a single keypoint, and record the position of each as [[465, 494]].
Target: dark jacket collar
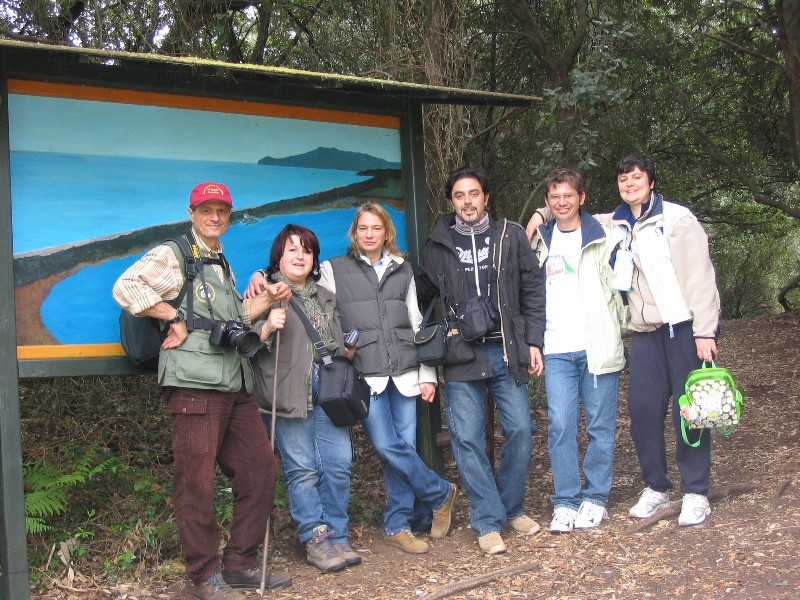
[[591, 230], [441, 231], [654, 207]]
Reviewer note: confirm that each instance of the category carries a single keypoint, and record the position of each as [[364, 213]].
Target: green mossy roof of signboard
[[367, 85]]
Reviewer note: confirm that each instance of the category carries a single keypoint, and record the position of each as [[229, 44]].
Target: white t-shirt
[[565, 330]]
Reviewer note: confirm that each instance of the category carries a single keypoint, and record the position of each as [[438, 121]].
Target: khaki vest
[[196, 363]]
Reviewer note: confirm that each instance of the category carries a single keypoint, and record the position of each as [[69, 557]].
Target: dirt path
[[748, 548]]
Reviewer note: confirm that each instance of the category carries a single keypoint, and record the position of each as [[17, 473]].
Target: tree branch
[[531, 32], [264, 11], [576, 43], [718, 155], [743, 49]]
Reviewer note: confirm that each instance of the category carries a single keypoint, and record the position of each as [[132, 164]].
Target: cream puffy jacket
[[673, 278]]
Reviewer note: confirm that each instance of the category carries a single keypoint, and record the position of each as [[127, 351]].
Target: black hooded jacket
[[518, 293]]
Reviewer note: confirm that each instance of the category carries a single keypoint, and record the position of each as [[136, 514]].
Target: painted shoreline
[[36, 273]]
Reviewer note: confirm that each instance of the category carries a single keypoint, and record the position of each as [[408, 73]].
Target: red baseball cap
[[203, 192]]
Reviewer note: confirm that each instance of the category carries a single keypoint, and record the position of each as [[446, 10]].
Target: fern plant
[[45, 484]]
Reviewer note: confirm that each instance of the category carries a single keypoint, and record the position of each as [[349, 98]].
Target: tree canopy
[[710, 89]]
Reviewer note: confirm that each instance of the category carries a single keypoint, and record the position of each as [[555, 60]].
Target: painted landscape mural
[[95, 184]]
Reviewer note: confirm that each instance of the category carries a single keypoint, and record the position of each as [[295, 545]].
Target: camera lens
[[247, 342]]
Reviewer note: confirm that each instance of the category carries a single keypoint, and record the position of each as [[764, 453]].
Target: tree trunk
[[788, 14], [790, 285]]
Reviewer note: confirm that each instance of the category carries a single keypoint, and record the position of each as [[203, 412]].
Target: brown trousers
[[225, 428]]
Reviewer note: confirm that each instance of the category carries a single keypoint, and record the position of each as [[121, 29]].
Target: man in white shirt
[[583, 353]]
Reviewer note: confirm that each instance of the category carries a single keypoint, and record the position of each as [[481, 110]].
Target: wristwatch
[[177, 318]]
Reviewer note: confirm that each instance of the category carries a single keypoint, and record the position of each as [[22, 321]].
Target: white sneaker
[[649, 502], [563, 519], [590, 515], [694, 510]]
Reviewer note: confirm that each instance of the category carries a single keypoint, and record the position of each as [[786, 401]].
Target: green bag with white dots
[[711, 401]]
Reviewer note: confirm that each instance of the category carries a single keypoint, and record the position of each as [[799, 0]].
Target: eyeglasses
[[558, 197]]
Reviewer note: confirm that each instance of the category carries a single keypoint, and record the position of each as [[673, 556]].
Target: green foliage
[[362, 511], [751, 269], [536, 392], [568, 120], [46, 484]]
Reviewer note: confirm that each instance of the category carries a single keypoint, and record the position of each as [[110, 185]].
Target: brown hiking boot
[[214, 588], [251, 579], [406, 541], [443, 514]]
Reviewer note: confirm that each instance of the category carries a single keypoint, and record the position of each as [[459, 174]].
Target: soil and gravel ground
[[748, 548]]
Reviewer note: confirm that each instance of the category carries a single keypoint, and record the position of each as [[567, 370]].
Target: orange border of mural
[[101, 94]]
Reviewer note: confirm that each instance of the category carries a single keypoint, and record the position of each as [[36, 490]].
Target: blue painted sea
[[80, 309], [65, 198]]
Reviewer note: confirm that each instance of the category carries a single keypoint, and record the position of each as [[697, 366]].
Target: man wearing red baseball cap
[[207, 384]]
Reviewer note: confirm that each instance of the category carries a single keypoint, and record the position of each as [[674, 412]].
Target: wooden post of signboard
[[412, 145], [13, 544]]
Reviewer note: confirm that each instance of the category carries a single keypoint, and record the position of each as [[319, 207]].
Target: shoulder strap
[[192, 263], [319, 345], [189, 265], [440, 297]]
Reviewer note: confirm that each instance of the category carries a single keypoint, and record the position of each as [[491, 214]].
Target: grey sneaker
[[694, 510], [350, 556], [649, 502], [320, 552]]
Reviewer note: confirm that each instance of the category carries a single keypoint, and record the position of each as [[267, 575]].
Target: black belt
[[495, 336], [200, 323]]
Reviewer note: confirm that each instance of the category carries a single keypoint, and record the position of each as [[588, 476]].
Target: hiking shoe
[[649, 502], [694, 510], [492, 543], [524, 525], [251, 579], [406, 541], [320, 552], [350, 556], [563, 519], [590, 515], [214, 588], [442, 515]]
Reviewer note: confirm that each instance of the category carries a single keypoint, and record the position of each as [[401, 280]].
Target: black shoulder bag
[[343, 393], [431, 338]]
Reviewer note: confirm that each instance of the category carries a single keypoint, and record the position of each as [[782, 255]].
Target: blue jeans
[[568, 382], [392, 429], [316, 457], [494, 498]]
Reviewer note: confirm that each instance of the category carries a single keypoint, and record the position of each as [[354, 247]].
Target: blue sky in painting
[[118, 167], [41, 124]]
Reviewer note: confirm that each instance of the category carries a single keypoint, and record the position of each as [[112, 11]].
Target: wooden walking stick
[[272, 442]]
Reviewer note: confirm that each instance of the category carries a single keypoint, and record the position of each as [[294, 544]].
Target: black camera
[[235, 335]]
